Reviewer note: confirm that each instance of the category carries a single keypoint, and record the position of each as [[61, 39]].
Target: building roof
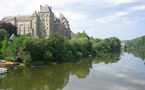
[[45, 8], [23, 18], [18, 18], [8, 18], [62, 18]]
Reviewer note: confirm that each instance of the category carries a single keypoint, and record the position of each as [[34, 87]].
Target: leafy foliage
[[138, 43], [81, 45], [136, 47], [3, 34], [56, 48]]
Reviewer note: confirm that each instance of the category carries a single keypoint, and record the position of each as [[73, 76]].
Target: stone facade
[[41, 23]]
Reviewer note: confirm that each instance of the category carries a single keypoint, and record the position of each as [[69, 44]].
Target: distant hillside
[[138, 43]]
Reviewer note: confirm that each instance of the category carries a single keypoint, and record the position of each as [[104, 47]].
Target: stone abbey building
[[40, 24]]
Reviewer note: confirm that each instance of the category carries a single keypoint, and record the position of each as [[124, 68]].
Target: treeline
[[138, 43], [56, 48]]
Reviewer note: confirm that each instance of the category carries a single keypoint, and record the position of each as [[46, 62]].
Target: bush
[[47, 57]]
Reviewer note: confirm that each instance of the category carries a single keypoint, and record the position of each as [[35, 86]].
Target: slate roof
[[45, 8], [18, 18]]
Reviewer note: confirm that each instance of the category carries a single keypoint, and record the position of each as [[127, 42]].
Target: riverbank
[[9, 63]]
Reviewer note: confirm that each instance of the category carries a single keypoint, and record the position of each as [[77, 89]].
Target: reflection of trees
[[45, 78], [107, 58], [36, 79], [52, 77], [137, 53], [82, 68]]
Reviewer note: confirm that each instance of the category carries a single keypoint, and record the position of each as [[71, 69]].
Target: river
[[106, 72]]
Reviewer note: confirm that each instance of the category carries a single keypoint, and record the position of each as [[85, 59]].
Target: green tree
[[3, 34], [4, 47], [81, 45], [138, 43], [57, 45]]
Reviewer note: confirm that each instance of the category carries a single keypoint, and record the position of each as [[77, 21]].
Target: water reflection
[[3, 76], [45, 78], [138, 53], [53, 77], [107, 58]]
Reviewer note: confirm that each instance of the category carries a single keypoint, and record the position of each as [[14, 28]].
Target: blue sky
[[124, 19]]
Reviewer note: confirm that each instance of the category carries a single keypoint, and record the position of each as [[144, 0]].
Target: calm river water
[[105, 72]]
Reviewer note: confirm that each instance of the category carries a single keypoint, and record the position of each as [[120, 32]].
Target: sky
[[124, 19]]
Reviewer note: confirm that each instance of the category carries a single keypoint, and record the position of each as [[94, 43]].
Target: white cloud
[[118, 2], [115, 86], [72, 15], [80, 17], [125, 73], [112, 71], [136, 8], [119, 15], [28, 6]]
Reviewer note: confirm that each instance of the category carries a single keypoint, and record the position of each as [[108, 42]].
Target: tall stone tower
[[46, 18]]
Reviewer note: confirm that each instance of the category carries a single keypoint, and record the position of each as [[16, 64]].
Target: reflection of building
[[123, 46], [41, 23]]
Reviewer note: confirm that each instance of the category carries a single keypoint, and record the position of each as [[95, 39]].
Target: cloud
[[120, 14], [82, 14], [126, 74], [76, 20], [115, 86], [136, 8], [119, 2], [72, 15], [112, 71]]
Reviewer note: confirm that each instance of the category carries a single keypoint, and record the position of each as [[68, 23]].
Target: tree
[[9, 28], [3, 34], [57, 45], [4, 47], [138, 43], [81, 45]]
